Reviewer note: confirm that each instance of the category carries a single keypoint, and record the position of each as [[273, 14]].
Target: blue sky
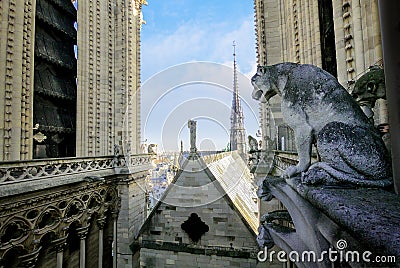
[[182, 31]]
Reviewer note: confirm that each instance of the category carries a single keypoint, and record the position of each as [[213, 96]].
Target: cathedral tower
[[238, 135]]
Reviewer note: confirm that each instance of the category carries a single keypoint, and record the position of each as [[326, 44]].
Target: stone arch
[[74, 210], [10, 257], [14, 231], [95, 202], [286, 140], [48, 219]]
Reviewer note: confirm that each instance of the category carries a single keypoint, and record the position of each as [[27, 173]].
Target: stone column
[[82, 233], [100, 223], [390, 27], [29, 260], [60, 256], [114, 243], [60, 246]]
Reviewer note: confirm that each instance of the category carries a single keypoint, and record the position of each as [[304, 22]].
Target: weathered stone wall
[[194, 192], [161, 258], [108, 76], [358, 38], [17, 27], [131, 216], [228, 239]]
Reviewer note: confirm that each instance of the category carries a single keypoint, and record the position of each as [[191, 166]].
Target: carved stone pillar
[[82, 233], [29, 260], [60, 246], [100, 223], [114, 243]]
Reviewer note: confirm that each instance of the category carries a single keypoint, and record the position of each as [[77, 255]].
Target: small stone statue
[[192, 127], [116, 154], [150, 148], [253, 144], [319, 109], [369, 88], [116, 150], [254, 154]]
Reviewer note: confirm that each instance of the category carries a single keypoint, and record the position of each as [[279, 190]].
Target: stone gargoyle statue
[[321, 111], [369, 88]]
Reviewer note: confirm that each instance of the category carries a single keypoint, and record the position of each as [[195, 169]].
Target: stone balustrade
[[40, 174], [285, 159]]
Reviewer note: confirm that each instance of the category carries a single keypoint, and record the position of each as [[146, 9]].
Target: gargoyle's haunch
[[319, 109]]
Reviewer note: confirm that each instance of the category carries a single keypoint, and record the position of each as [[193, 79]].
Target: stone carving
[[254, 153], [116, 150], [192, 127], [369, 88], [27, 170], [253, 144], [320, 111], [28, 223], [264, 238], [151, 148]]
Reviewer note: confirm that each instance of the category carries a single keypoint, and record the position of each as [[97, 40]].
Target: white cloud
[[194, 41]]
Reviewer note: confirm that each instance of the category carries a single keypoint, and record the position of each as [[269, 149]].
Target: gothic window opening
[[286, 139], [195, 227]]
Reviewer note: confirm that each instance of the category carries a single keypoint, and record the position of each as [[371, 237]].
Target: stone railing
[[215, 157], [285, 159], [17, 171]]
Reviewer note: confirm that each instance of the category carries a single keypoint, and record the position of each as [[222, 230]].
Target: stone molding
[[40, 169]]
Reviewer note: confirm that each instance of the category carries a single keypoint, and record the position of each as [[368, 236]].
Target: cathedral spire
[[237, 135]]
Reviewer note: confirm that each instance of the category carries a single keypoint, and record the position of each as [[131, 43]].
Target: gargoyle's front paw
[[315, 176], [291, 171], [311, 178]]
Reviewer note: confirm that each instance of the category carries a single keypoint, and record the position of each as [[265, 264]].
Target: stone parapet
[[41, 174]]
